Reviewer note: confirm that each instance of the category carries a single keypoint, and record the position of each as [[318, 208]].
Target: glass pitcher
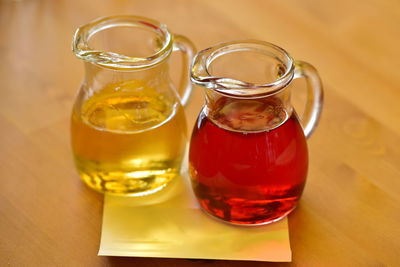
[[128, 128], [248, 155]]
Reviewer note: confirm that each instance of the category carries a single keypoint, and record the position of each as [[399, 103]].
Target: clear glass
[[128, 128], [248, 155]]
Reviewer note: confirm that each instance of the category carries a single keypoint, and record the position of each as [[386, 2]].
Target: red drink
[[246, 177]]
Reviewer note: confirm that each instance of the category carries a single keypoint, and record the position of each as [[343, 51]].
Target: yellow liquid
[[128, 143]]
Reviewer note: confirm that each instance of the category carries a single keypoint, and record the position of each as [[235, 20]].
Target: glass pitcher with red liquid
[[248, 155]]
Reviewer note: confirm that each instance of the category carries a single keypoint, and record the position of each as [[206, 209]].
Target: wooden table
[[350, 211]]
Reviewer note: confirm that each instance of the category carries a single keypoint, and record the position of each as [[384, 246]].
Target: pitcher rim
[[231, 87], [109, 59]]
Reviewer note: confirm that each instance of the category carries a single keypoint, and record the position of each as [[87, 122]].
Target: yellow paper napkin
[[170, 224]]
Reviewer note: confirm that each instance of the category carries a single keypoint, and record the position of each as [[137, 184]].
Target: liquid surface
[[248, 115], [248, 178], [127, 142]]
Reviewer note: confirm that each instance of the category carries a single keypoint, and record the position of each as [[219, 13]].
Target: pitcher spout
[[236, 79], [106, 57]]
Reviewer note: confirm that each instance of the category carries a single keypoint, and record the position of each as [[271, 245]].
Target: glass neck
[[250, 114], [97, 77]]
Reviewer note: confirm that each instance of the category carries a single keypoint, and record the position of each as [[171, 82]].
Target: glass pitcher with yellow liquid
[[128, 128]]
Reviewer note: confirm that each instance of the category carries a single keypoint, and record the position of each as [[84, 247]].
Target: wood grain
[[350, 211]]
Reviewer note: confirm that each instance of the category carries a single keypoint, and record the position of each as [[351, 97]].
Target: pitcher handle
[[188, 50], [315, 96]]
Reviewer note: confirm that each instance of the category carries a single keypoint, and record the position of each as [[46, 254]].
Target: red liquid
[[248, 178]]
